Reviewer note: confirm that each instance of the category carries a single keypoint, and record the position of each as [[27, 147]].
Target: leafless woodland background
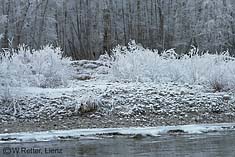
[[84, 29]]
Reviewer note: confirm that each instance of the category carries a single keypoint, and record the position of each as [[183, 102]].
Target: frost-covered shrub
[[42, 68], [135, 63], [130, 63], [89, 103]]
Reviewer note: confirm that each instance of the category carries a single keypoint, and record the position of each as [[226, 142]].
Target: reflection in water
[[207, 145]]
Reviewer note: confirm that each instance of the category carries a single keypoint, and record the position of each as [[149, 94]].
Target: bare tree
[[84, 29]]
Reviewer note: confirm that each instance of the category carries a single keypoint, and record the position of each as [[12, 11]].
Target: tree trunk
[[107, 31]]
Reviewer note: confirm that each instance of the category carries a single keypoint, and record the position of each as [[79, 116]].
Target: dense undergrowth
[[47, 68], [44, 68], [135, 63]]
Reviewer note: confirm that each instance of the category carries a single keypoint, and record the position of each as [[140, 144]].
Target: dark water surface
[[220, 144]]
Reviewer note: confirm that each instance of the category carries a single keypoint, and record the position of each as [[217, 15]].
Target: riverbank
[[125, 132], [94, 100], [104, 122], [104, 104]]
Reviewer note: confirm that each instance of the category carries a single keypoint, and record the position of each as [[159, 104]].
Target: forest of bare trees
[[84, 29]]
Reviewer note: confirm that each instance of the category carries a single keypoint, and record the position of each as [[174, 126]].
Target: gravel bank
[[114, 104]]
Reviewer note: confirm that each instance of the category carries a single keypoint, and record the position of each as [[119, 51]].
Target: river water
[[218, 144]]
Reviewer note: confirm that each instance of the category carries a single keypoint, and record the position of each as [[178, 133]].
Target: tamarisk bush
[[136, 63]]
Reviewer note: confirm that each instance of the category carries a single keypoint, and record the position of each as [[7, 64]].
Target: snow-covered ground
[[133, 86], [107, 132], [119, 98]]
